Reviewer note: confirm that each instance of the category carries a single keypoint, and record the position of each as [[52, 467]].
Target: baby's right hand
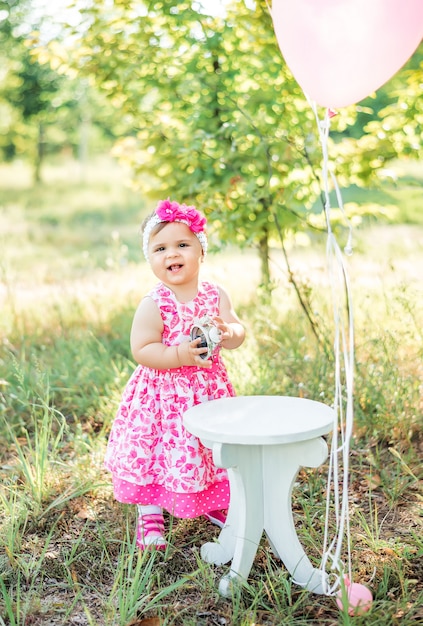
[[189, 354]]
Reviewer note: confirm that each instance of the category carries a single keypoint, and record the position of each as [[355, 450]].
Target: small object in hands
[[359, 599], [209, 333]]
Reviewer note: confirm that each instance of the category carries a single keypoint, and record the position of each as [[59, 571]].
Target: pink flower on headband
[[169, 211]]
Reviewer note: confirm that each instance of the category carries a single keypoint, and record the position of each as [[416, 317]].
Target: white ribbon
[[338, 473]]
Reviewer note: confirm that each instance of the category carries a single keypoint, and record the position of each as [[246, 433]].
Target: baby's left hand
[[225, 330]]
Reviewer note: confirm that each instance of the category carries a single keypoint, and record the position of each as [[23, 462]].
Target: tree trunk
[[264, 262], [40, 154], [84, 131]]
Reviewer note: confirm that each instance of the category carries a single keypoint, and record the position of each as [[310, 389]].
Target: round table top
[[259, 420]]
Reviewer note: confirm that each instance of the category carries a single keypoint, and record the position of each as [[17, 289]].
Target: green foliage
[[42, 110], [218, 119], [212, 122], [134, 583], [27, 89]]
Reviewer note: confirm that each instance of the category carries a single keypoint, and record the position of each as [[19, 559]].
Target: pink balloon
[[340, 51], [359, 598]]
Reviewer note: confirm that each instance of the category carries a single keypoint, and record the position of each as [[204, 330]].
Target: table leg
[[281, 465], [222, 550], [240, 537]]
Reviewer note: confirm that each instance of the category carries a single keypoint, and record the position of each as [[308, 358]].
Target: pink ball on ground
[[359, 598]]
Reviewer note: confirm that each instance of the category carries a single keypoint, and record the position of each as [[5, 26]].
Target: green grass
[[71, 276]]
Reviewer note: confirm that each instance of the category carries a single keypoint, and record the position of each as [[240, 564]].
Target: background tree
[[43, 110], [387, 126], [28, 88], [400, 120], [217, 118], [212, 119]]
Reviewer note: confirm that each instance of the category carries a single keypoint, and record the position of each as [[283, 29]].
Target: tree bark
[[40, 153], [264, 261]]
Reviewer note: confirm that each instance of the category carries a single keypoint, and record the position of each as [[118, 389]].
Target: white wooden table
[[262, 441]]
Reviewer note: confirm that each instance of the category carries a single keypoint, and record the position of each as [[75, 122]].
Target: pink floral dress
[[153, 459]]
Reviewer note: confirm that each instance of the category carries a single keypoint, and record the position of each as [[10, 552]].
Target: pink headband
[[168, 211]]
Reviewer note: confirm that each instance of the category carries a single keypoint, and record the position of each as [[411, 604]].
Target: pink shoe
[[216, 517], [150, 531]]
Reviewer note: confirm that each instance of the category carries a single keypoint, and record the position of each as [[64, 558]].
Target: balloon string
[[338, 471]]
